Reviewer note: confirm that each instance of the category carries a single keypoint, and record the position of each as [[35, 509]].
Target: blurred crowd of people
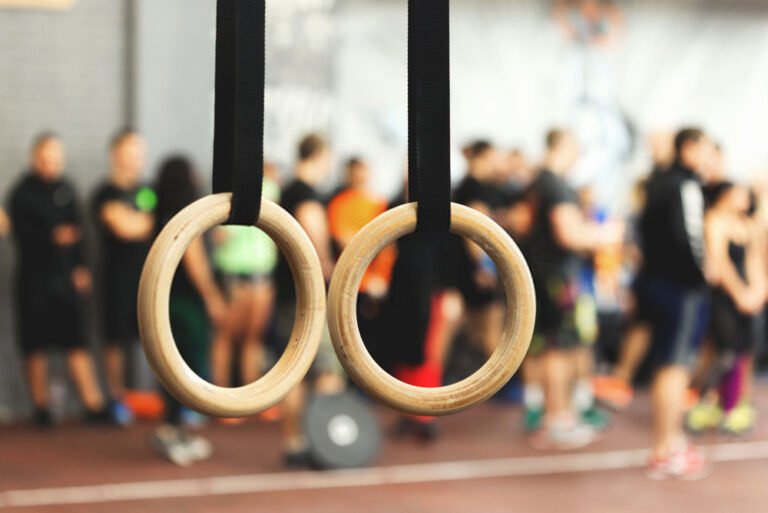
[[673, 290]]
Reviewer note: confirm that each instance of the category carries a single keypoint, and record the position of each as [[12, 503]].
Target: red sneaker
[[612, 392], [686, 465]]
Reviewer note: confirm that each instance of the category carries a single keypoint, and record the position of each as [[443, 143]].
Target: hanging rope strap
[[429, 113], [238, 152]]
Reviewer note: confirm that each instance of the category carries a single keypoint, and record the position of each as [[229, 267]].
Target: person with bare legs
[[560, 232], [122, 207], [615, 390], [52, 279], [477, 278], [674, 293], [245, 259], [736, 248], [301, 199]]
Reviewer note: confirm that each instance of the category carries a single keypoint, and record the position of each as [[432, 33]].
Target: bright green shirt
[[246, 250]]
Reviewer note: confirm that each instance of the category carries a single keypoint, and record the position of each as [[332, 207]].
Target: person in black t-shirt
[[674, 293], [196, 302], [301, 199], [52, 278], [122, 209], [477, 278], [560, 233]]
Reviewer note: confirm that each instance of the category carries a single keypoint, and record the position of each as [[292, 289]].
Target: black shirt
[[471, 190], [182, 283], [672, 228], [122, 260], [294, 195], [36, 208], [544, 253]]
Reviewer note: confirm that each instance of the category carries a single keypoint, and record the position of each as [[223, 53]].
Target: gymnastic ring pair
[[293, 365]]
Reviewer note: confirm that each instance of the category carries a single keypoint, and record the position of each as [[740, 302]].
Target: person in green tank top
[[244, 259]]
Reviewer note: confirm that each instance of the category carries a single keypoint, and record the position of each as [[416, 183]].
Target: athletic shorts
[[229, 281], [119, 321], [679, 318], [325, 361], [119, 317], [49, 315], [732, 331], [643, 312], [566, 315]]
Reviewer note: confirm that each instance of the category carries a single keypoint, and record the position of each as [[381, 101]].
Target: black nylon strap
[[238, 148], [429, 113]]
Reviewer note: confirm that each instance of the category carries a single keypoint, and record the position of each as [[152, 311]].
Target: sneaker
[[740, 420], [613, 393], [98, 417], [427, 432], [403, 428], [297, 459], [43, 418], [168, 442], [596, 418], [533, 418], [703, 417], [273, 414], [687, 465], [121, 414], [199, 448], [565, 438]]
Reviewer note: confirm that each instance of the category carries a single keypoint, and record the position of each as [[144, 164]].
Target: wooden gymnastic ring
[[155, 326], [518, 326]]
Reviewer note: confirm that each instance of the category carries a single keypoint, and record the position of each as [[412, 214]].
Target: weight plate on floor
[[342, 430]]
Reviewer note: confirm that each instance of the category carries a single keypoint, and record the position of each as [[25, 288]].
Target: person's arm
[[81, 275], [574, 232], [692, 229], [197, 266], [757, 272], [721, 271], [5, 223], [518, 219], [311, 216], [126, 223]]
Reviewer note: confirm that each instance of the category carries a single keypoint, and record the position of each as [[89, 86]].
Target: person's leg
[[260, 309], [492, 323], [84, 375], [36, 364], [533, 391], [583, 396], [452, 306], [114, 366], [224, 341], [558, 378], [683, 318], [633, 352], [668, 393], [295, 444]]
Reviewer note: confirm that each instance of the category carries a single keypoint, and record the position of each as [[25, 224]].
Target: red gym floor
[[481, 465]]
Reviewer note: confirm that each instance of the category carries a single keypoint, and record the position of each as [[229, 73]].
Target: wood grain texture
[[154, 322], [518, 326], [58, 5]]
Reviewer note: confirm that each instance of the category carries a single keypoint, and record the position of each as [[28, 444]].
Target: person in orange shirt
[[348, 212]]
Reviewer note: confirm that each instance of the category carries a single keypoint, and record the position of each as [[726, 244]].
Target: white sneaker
[[168, 443]]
